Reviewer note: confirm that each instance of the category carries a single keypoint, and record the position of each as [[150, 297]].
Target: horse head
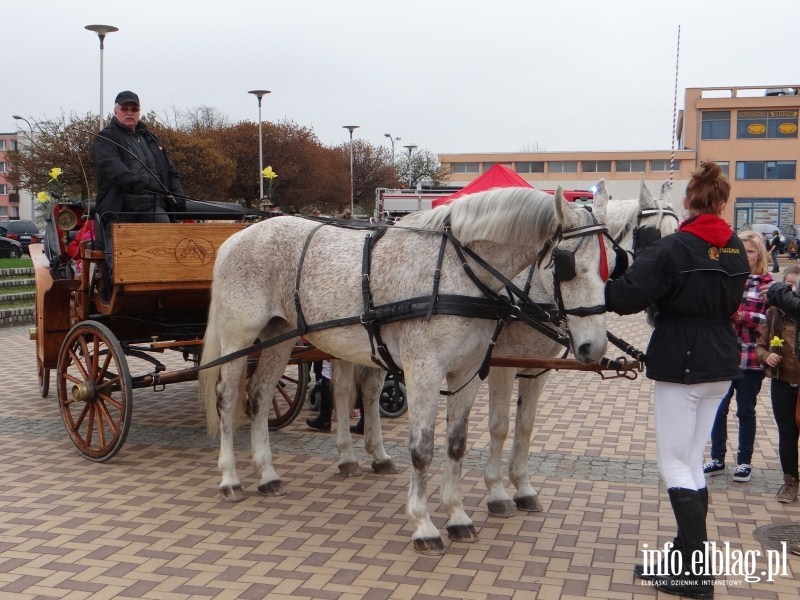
[[577, 264]]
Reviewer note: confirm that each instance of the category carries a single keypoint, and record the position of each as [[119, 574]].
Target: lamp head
[[102, 30], [259, 93]]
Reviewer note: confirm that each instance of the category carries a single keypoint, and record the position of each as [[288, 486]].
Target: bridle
[[563, 263], [645, 235]]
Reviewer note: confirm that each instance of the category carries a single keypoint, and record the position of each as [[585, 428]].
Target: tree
[[372, 168], [422, 167]]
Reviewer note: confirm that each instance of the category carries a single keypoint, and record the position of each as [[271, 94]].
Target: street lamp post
[[30, 138], [260, 94], [410, 148], [101, 31], [350, 128], [393, 140]]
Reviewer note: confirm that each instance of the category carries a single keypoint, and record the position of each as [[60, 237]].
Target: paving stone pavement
[[149, 524]]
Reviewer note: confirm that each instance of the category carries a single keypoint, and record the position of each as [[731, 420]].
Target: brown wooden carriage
[[159, 301]]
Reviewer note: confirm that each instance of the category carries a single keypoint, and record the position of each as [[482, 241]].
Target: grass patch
[[15, 263], [16, 304]]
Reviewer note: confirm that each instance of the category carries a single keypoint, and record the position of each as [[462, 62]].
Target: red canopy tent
[[498, 176]]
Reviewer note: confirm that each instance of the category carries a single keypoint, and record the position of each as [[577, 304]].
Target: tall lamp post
[[101, 31], [30, 138], [392, 139], [410, 148], [351, 128], [260, 94]]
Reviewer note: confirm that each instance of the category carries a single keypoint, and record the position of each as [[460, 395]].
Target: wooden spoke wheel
[[44, 378], [95, 394], [289, 395]]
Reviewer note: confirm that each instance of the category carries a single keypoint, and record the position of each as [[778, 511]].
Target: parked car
[[789, 232], [10, 248], [25, 232]]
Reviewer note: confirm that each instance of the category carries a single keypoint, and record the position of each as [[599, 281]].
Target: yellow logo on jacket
[[713, 253]]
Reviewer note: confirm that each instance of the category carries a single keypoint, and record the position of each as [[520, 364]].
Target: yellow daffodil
[[43, 197], [268, 173], [776, 342], [55, 172]]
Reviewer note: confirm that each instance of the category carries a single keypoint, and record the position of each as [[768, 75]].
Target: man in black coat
[[136, 179]]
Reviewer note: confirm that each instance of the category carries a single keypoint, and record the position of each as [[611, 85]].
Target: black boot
[[690, 508], [638, 570], [323, 420]]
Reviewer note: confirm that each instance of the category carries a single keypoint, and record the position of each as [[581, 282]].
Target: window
[[3, 189], [2, 166], [530, 167], [769, 169], [465, 167], [664, 165], [766, 124], [716, 125], [14, 145], [725, 166], [2, 145], [562, 166], [596, 166], [630, 166], [489, 165]]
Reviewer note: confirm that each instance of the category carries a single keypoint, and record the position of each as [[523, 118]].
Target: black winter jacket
[[695, 284], [120, 174]]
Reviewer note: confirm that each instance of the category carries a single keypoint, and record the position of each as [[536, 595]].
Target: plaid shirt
[[754, 316]]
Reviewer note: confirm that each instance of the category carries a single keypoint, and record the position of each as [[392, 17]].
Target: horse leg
[[371, 381], [342, 381], [228, 392], [501, 387], [261, 389], [459, 525], [526, 498], [421, 386]]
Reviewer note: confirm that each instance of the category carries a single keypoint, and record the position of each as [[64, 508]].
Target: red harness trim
[[603, 259]]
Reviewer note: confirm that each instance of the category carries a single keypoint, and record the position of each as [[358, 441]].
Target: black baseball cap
[[127, 96]]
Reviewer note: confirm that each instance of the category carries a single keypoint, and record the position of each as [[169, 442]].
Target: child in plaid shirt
[[747, 322]]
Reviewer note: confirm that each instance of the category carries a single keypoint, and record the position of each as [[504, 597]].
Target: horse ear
[[565, 211], [600, 203], [645, 197], [666, 193]]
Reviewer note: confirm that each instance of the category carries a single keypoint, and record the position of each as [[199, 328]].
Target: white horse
[[286, 276], [623, 219]]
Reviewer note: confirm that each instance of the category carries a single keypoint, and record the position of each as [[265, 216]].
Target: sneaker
[[713, 468], [742, 473], [788, 492]]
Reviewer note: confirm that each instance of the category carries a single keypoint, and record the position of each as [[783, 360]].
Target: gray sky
[[446, 75]]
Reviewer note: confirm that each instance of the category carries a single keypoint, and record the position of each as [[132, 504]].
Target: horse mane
[[502, 215], [624, 213]]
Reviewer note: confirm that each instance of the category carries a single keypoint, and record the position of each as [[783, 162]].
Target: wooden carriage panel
[[176, 254], [53, 308]]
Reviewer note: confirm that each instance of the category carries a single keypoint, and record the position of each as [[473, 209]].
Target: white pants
[[684, 416]]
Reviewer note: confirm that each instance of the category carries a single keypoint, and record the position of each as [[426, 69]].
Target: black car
[[25, 232], [10, 248]]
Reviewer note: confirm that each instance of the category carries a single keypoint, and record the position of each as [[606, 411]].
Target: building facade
[[752, 132], [9, 198]]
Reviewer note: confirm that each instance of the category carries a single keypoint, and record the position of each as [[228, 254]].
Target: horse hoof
[[529, 504], [384, 467], [232, 493], [350, 469], [272, 488], [429, 546], [462, 533], [502, 508]]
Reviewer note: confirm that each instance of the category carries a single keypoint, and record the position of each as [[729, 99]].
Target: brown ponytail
[[708, 190]]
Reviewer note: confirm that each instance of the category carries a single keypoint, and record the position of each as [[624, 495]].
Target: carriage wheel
[[95, 394], [44, 377], [393, 398], [288, 398]]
